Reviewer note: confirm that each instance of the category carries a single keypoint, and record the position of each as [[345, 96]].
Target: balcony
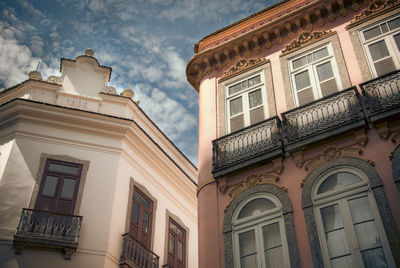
[[46, 230], [247, 146], [382, 96], [321, 119], [135, 255]]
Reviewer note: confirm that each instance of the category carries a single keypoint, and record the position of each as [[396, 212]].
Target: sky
[[147, 43]]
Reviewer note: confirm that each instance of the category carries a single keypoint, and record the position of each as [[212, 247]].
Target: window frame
[[388, 39], [244, 94], [183, 241]]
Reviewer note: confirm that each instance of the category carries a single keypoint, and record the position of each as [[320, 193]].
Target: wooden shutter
[[237, 122], [257, 115], [305, 96], [384, 66], [328, 87]]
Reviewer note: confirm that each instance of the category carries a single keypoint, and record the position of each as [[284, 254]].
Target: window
[[59, 186], [176, 245], [246, 102], [259, 233], [314, 75], [349, 226], [141, 218], [381, 44]]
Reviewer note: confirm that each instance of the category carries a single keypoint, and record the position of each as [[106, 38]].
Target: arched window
[[350, 229], [258, 232]]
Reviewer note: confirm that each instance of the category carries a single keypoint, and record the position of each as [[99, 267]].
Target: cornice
[[305, 38], [225, 55]]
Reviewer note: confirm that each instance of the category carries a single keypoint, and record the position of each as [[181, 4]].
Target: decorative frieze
[[254, 180], [241, 65], [305, 38], [375, 7]]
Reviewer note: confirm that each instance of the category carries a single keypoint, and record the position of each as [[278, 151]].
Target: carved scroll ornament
[[374, 7], [304, 37]]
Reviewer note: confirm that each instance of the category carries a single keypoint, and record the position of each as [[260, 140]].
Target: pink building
[[299, 159]]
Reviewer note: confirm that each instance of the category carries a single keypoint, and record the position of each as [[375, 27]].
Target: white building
[[80, 166]]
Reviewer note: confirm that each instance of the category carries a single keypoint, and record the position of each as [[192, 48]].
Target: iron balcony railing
[[133, 251], [329, 114], [247, 145], [382, 95]]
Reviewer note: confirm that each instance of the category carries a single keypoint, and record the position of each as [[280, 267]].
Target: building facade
[[87, 179], [299, 133]]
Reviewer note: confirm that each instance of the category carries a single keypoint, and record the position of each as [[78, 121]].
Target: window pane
[[367, 235], [337, 181], [374, 258], [378, 50], [397, 40], [331, 218], [321, 53], [235, 88], [360, 209], [342, 262], [135, 214], [180, 250], [274, 257], [171, 244], [68, 188], [175, 229], [142, 200], [302, 80], [384, 28], [255, 98], [145, 222], [371, 33], [247, 243], [254, 81], [394, 24], [337, 244], [256, 207], [236, 106], [248, 261], [324, 71], [50, 185], [271, 235], [299, 62], [63, 168]]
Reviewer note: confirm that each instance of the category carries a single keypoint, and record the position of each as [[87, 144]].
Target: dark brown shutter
[[257, 115], [305, 96], [384, 66], [328, 87], [237, 122]]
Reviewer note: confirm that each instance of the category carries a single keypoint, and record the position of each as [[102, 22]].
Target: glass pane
[[337, 181], [397, 40], [374, 258], [337, 244], [135, 214], [256, 207], [247, 243], [142, 200], [331, 218], [180, 250], [378, 50], [63, 169], [310, 58], [302, 80], [255, 98], [68, 188], [236, 106], [299, 62], [367, 235], [50, 185], [342, 262], [321, 53], [145, 222], [254, 81], [235, 88], [244, 84], [274, 257], [175, 229], [248, 261], [271, 235], [384, 28], [371, 33], [324, 71], [394, 24], [360, 209], [171, 244]]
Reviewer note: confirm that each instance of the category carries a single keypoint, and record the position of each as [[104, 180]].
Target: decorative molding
[[374, 7], [241, 65], [55, 79], [278, 165], [109, 90], [222, 185], [396, 138], [305, 38], [383, 130], [203, 184], [255, 180]]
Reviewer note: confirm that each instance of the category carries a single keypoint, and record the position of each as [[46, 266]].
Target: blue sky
[[147, 42]]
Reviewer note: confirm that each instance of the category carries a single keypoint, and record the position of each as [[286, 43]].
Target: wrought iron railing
[[134, 251], [49, 226], [246, 143], [326, 114], [382, 94]]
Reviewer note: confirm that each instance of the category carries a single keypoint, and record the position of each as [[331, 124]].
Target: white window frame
[[256, 223], [312, 70], [388, 39], [341, 197], [245, 99]]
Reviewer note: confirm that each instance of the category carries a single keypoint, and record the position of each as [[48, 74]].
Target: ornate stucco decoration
[[386, 129], [109, 90], [254, 180], [243, 64], [375, 7], [55, 79], [305, 38]]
